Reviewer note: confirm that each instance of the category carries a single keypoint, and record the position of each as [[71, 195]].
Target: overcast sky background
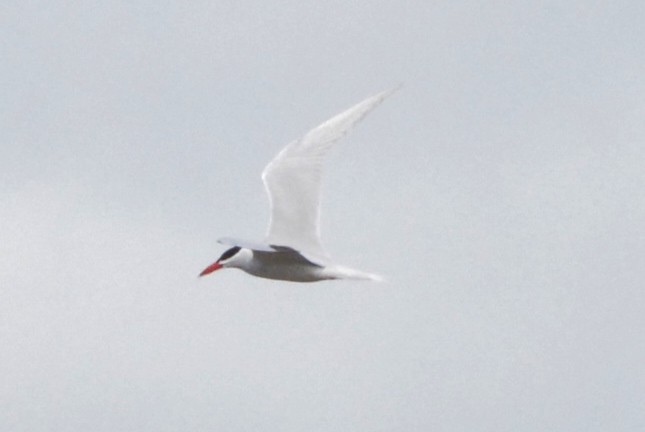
[[500, 192]]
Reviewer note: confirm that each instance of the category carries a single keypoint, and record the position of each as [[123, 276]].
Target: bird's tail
[[349, 273]]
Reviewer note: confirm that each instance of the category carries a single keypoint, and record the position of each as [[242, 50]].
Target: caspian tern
[[292, 250]]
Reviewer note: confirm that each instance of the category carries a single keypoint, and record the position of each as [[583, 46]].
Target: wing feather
[[293, 180]]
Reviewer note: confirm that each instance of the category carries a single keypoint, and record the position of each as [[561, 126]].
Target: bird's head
[[233, 257]]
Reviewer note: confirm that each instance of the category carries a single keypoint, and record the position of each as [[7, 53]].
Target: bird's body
[[288, 264], [292, 250]]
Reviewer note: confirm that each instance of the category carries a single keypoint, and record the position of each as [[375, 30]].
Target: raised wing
[[292, 180]]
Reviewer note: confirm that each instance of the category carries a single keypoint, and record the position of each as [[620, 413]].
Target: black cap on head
[[229, 253]]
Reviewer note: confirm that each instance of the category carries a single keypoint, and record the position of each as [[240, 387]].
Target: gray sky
[[500, 192]]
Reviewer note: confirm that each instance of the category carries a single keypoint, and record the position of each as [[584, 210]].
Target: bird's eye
[[229, 253]]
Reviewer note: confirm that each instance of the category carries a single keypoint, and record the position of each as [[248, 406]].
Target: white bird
[[292, 250]]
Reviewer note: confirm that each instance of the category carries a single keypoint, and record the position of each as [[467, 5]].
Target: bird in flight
[[292, 250]]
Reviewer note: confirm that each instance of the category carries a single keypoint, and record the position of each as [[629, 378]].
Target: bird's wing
[[292, 180]]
